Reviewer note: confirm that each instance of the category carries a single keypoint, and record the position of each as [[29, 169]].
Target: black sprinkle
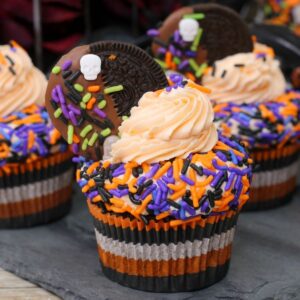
[[140, 189], [100, 96], [188, 201], [66, 74], [54, 104], [185, 166], [74, 76], [101, 192], [223, 74], [144, 219], [80, 121], [63, 119], [102, 206], [174, 204], [135, 172], [140, 170], [203, 199], [98, 123], [73, 98], [148, 183], [122, 186], [213, 72], [239, 65], [11, 69], [133, 200], [160, 42], [109, 123], [10, 60], [199, 170]]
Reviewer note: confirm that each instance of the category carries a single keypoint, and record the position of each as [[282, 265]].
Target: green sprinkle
[[113, 89], [86, 97], [199, 16], [86, 130], [82, 105], [102, 104], [78, 87], [193, 64], [93, 139], [56, 69], [70, 134], [57, 113], [124, 118], [161, 63], [201, 70], [105, 132], [84, 144], [196, 41], [176, 60]]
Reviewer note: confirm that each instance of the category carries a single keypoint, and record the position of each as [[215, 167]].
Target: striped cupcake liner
[[160, 258], [274, 178], [37, 192]]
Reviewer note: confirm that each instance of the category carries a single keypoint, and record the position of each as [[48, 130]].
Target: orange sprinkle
[[199, 87], [2, 59], [168, 59], [180, 222], [97, 199], [176, 169], [85, 188], [29, 120], [91, 168], [106, 164], [178, 194], [205, 182], [77, 175], [131, 184], [190, 76], [93, 88], [162, 215], [145, 167], [31, 139], [142, 207], [118, 202], [175, 187], [54, 137], [91, 183], [76, 139], [110, 186], [91, 103], [162, 170]]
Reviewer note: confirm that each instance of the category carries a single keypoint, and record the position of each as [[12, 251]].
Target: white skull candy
[[90, 66], [107, 146], [188, 29]]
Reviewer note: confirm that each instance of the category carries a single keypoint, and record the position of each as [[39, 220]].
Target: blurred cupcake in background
[[252, 105], [35, 164]]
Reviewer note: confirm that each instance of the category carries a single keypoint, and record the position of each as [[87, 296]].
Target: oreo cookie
[[93, 87], [203, 33]]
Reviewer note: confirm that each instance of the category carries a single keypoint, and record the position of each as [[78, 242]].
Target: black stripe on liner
[[39, 218], [182, 283], [164, 237]]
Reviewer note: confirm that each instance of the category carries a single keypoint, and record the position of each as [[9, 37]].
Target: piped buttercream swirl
[[21, 84], [167, 124], [245, 78]]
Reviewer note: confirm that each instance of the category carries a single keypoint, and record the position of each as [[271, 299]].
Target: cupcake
[[252, 105], [165, 205], [35, 164]]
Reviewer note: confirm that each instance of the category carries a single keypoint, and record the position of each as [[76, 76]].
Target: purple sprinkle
[[153, 171], [60, 94], [204, 206], [229, 182], [190, 53], [100, 112], [217, 178], [162, 185], [237, 182], [65, 111], [72, 118], [141, 180], [75, 148], [188, 208], [123, 192], [66, 65], [153, 32], [148, 191], [168, 180], [208, 172], [170, 172], [157, 197], [168, 88], [93, 194], [54, 95], [161, 50], [119, 171], [187, 180], [115, 193], [183, 65], [74, 109], [176, 36], [172, 49], [153, 207], [221, 155]]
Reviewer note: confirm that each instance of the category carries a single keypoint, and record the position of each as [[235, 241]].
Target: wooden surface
[[15, 288]]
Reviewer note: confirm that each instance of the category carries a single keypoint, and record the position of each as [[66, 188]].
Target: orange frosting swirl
[[166, 125], [245, 78], [21, 84]]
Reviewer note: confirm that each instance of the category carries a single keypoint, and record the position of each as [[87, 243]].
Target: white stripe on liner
[[165, 252], [36, 189], [277, 176]]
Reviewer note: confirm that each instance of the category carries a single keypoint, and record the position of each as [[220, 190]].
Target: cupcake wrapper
[[274, 178], [160, 258], [37, 192]]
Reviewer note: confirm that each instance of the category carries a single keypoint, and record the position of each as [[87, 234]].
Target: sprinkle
[[193, 64], [200, 70], [100, 112], [91, 103], [105, 132], [223, 74], [153, 32], [74, 76], [86, 130], [102, 104], [197, 16], [84, 144], [93, 88], [78, 87], [161, 63], [196, 41], [86, 97], [66, 65], [82, 105], [239, 65], [187, 180], [124, 118], [57, 113], [70, 134], [56, 70], [93, 139], [113, 89]]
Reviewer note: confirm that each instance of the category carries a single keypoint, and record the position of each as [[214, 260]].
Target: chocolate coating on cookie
[[223, 32], [92, 87]]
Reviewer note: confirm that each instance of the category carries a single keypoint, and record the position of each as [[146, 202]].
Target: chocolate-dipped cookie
[[195, 36], [93, 87]]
